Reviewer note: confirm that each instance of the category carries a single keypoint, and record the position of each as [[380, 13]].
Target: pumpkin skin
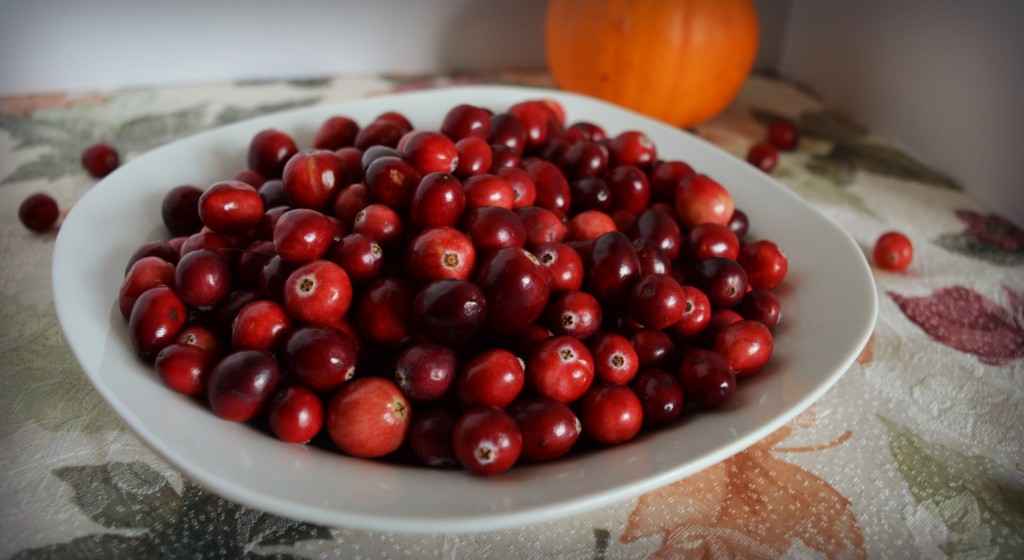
[[680, 61]]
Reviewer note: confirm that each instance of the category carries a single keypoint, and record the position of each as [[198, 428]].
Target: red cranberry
[[430, 152], [783, 135], [380, 222], [440, 253], [384, 311], [706, 378], [318, 292], [711, 240], [379, 132], [486, 189], [492, 228], [665, 177], [466, 121], [615, 359], [360, 256], [654, 349], [349, 202], [661, 396], [893, 251], [611, 413], [487, 440], [576, 314], [629, 188], [205, 239], [765, 264], [696, 313], [507, 130], [202, 337], [493, 377], [661, 228], [524, 191], [652, 259], [320, 357], [393, 181], [274, 274], [474, 157], [430, 436], [549, 428], [269, 151], [516, 287], [739, 224], [184, 368], [302, 235], [260, 325], [542, 225], [553, 191], [632, 148], [425, 371], [746, 346], [502, 156], [397, 118], [295, 414], [368, 417], [156, 318], [38, 212], [146, 273], [590, 224], [352, 168], [180, 210], [335, 133], [723, 280], [311, 179], [560, 367], [701, 199], [563, 265], [449, 312], [612, 267], [763, 156], [202, 279], [761, 305], [535, 116], [231, 207], [438, 201], [657, 301], [100, 160], [251, 177], [242, 383], [584, 159]]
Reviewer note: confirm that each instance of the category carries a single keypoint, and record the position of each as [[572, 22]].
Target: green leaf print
[[816, 188], [846, 158], [151, 519], [145, 132], [43, 382], [828, 125], [233, 113], [978, 499]]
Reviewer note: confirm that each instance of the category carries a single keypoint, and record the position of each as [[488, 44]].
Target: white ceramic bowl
[[829, 308]]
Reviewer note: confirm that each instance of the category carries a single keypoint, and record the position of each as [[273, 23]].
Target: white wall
[[943, 78]]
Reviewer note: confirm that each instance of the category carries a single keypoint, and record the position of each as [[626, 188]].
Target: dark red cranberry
[[100, 160], [474, 157], [739, 224], [205, 239], [563, 265], [146, 273], [516, 287], [696, 314], [507, 130], [661, 396], [587, 131], [466, 121], [524, 191], [706, 378], [180, 210], [373, 153], [723, 280], [320, 357], [242, 383], [349, 202], [430, 152], [269, 151], [657, 301], [550, 429], [492, 228], [438, 201], [629, 188], [553, 191], [185, 368], [765, 264], [590, 193], [783, 135], [746, 346], [761, 305], [384, 311], [711, 240], [502, 156], [360, 255], [392, 181], [335, 133], [612, 267], [38, 212], [449, 312], [231, 207], [156, 318], [251, 177], [440, 253], [664, 179], [380, 222], [542, 225], [652, 259], [430, 436], [261, 325], [302, 235], [654, 349], [397, 118], [764, 156], [425, 371], [202, 279], [486, 189], [584, 159], [312, 179], [272, 193], [534, 115], [384, 133], [273, 276], [659, 226], [352, 167]]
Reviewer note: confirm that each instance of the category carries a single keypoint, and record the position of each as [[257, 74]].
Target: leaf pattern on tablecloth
[[235, 113], [752, 505], [151, 519], [963, 319], [978, 499], [989, 237], [43, 382]]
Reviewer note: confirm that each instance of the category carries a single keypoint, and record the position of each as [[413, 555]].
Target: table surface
[[918, 451]]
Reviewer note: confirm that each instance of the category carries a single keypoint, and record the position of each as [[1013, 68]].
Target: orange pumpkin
[[681, 61]]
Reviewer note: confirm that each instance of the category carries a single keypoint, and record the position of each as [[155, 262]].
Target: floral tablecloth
[[917, 452]]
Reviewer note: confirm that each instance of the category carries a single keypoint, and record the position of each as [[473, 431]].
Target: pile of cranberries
[[508, 288]]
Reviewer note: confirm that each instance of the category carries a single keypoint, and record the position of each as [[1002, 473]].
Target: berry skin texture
[[318, 292], [320, 357], [701, 199], [295, 414], [611, 414], [893, 251], [100, 160], [156, 318], [231, 207], [368, 417], [487, 440], [765, 264], [38, 212], [763, 156], [560, 367], [549, 428], [242, 383], [184, 368]]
